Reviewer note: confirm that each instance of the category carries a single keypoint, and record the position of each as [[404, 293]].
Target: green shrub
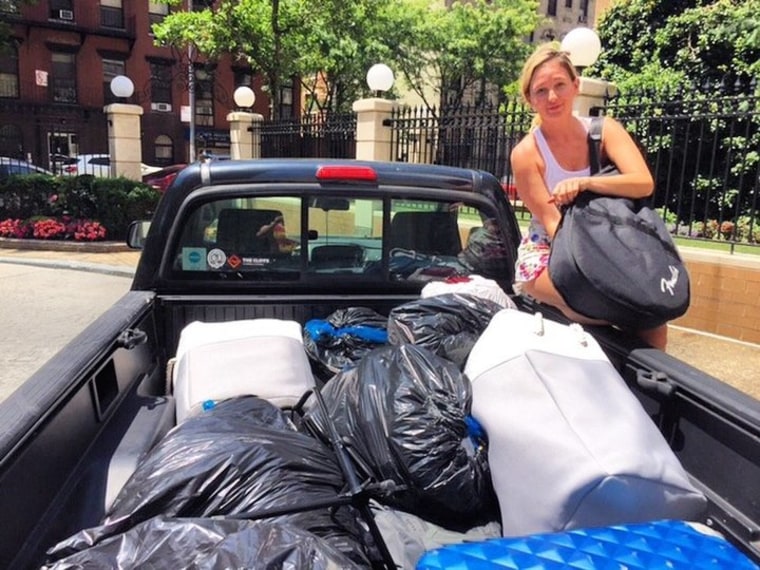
[[23, 196], [113, 202]]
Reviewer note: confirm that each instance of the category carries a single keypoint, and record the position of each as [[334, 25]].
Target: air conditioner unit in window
[[582, 19], [162, 107], [66, 14]]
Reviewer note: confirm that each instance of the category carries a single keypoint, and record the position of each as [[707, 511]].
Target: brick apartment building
[[55, 82]]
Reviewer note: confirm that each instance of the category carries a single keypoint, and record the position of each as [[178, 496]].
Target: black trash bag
[[403, 412], [242, 456], [163, 542], [448, 324], [344, 337]]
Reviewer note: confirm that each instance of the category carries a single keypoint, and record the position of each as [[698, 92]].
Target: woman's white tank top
[[554, 172]]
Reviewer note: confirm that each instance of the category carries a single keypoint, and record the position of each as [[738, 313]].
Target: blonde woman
[[550, 166]]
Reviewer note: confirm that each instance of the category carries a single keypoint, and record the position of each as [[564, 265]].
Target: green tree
[[329, 44], [659, 43], [9, 10], [468, 46]]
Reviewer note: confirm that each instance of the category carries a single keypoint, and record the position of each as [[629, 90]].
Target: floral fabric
[[532, 256]]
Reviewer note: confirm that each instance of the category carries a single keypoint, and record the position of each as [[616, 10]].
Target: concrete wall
[[725, 294]]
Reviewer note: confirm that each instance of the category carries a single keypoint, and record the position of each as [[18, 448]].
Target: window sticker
[[216, 258], [194, 259]]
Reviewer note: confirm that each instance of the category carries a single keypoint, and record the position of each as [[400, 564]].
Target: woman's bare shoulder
[[525, 151]]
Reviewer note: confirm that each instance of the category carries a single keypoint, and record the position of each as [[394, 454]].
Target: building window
[[204, 98], [11, 141], [111, 14], [584, 10], [244, 78], [63, 78], [568, 3], [157, 12], [161, 82], [164, 149], [111, 68], [286, 101], [551, 8], [198, 5], [9, 73], [62, 10]]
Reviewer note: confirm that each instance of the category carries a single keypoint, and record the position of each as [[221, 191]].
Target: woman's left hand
[[567, 191]]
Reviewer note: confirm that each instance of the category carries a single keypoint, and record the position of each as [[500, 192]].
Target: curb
[[60, 245], [116, 270]]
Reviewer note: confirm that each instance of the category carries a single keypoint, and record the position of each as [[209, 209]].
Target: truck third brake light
[[346, 172]]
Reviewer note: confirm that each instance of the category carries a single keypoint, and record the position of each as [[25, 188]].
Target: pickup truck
[[299, 240]]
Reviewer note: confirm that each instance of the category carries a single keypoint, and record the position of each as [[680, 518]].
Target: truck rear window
[[292, 238]]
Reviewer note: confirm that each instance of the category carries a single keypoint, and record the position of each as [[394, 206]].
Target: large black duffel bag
[[613, 258]]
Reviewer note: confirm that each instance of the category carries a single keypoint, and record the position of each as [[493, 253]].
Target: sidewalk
[[109, 258], [732, 361]]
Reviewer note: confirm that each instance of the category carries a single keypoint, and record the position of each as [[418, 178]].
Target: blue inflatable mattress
[[661, 545]]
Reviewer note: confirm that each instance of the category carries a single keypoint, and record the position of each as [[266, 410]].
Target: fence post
[[593, 92], [373, 138], [245, 137], [124, 140]]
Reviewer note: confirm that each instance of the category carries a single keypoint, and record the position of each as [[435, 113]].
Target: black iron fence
[[479, 137], [703, 146], [317, 135]]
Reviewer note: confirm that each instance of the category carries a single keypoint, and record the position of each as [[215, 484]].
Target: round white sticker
[[216, 258]]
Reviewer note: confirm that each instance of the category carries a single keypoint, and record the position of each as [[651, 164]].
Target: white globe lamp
[[244, 97], [583, 45], [122, 86], [380, 78]]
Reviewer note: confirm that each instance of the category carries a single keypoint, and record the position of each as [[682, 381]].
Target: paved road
[[41, 309]]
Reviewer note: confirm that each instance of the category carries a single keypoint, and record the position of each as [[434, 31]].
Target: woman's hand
[[567, 191]]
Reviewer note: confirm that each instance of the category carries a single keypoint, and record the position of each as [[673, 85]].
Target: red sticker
[[234, 261]]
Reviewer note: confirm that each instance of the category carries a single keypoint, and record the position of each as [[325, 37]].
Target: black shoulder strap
[[595, 144]]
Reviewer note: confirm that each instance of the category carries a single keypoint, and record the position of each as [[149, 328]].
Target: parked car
[[11, 166], [161, 179], [97, 165]]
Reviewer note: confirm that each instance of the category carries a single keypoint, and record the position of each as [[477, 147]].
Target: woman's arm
[[527, 167], [634, 181]]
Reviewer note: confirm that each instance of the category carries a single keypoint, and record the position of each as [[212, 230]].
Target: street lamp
[[122, 87], [584, 47], [244, 97], [379, 78]]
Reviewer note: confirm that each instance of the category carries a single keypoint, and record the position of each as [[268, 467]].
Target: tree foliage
[[658, 43], [330, 44], [9, 9]]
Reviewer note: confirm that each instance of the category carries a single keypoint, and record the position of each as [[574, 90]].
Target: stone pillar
[[245, 135], [373, 139], [124, 139], [593, 93]]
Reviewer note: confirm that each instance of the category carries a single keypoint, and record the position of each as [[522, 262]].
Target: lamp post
[[245, 138], [380, 78], [124, 127], [584, 47], [122, 87], [244, 98], [373, 137]]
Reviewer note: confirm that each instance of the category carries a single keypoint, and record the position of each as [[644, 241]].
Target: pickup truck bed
[[75, 431]]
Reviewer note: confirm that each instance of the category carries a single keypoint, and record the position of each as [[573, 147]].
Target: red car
[[162, 179]]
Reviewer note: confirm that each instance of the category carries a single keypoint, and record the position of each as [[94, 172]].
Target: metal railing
[[317, 135], [479, 137], [702, 145]]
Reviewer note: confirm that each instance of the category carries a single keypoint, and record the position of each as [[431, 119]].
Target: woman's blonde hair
[[543, 54]]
